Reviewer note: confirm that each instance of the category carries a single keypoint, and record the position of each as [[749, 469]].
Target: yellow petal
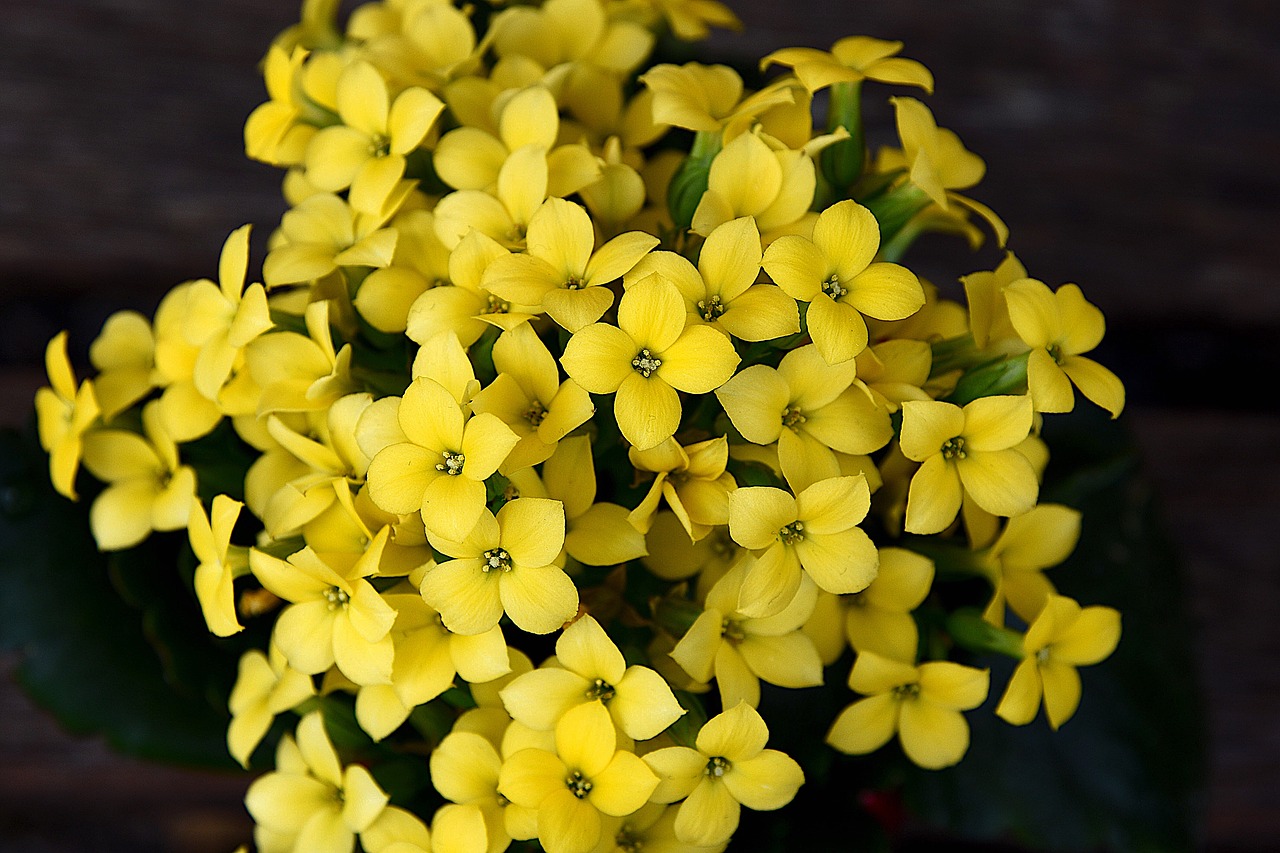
[[467, 598], [1061, 691], [951, 685], [560, 234], [1048, 384], [575, 309], [538, 600], [1091, 637], [623, 786], [1097, 383], [865, 725], [699, 361], [540, 698], [886, 292], [797, 266], [736, 734], [996, 423], [643, 705], [848, 235], [763, 312], [754, 400], [679, 770], [567, 824], [648, 410], [599, 358], [1034, 312], [766, 782], [529, 776], [788, 660], [709, 816], [841, 562], [932, 736], [1001, 481], [603, 536], [464, 767], [927, 425], [934, 496], [1021, 699], [730, 258], [837, 328], [734, 679], [586, 740]]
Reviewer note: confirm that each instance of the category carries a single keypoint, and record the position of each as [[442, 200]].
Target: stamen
[[579, 785], [452, 463], [710, 308], [832, 287], [792, 533], [496, 559], [717, 767], [645, 363], [953, 448]]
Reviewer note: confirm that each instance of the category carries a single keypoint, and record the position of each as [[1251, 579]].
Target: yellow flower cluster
[[523, 363]]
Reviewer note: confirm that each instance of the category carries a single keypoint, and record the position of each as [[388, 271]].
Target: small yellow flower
[[729, 769], [722, 290], [1059, 326], [506, 563], [124, 356], [693, 481], [739, 650], [465, 769], [336, 615], [834, 272], [967, 451], [64, 415], [1064, 636], [815, 533], [922, 704], [852, 60], [1030, 543], [559, 271], [878, 619], [587, 776], [323, 233], [778, 196], [646, 358], [218, 563], [266, 686], [588, 667], [708, 97], [148, 487], [989, 321], [275, 132], [310, 798]]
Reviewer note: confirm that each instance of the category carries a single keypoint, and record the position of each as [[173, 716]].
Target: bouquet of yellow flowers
[[589, 452]]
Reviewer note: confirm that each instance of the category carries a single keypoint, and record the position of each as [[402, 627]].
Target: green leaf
[[1125, 772], [85, 654]]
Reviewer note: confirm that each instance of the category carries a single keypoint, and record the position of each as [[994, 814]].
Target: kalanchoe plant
[[529, 366]]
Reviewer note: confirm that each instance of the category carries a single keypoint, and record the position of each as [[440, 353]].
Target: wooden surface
[[1131, 146]]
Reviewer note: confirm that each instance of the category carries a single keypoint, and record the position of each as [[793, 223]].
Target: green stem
[[971, 631], [842, 162]]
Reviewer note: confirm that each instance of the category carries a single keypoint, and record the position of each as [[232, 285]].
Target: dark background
[[1131, 147]]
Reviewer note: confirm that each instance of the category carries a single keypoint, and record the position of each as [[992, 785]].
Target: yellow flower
[[461, 305], [396, 830], [810, 408], [1059, 326], [895, 371], [148, 487], [522, 187], [323, 233], [722, 290], [597, 533], [729, 769], [336, 615], [571, 31], [835, 274], [187, 414], [588, 667], [989, 321], [218, 564], [852, 60], [878, 619], [937, 162], [585, 777], [740, 650], [299, 373], [275, 131], [64, 415], [922, 704], [1064, 636], [367, 151], [650, 828], [529, 397], [465, 769], [707, 98], [1030, 543], [969, 451], [506, 563], [435, 459], [426, 43], [310, 798], [428, 656], [692, 479], [691, 20], [559, 273], [222, 318], [124, 356], [815, 532], [646, 358], [777, 197], [471, 158], [266, 686]]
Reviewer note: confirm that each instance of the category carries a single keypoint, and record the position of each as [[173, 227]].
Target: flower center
[[1055, 351], [832, 287], [578, 785], [574, 283], [906, 691], [498, 306], [791, 416], [1042, 656], [732, 631], [336, 598], [710, 308], [379, 145], [717, 767], [953, 448], [792, 533], [496, 560], [600, 689], [645, 363], [452, 464], [535, 414], [511, 492], [629, 840]]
